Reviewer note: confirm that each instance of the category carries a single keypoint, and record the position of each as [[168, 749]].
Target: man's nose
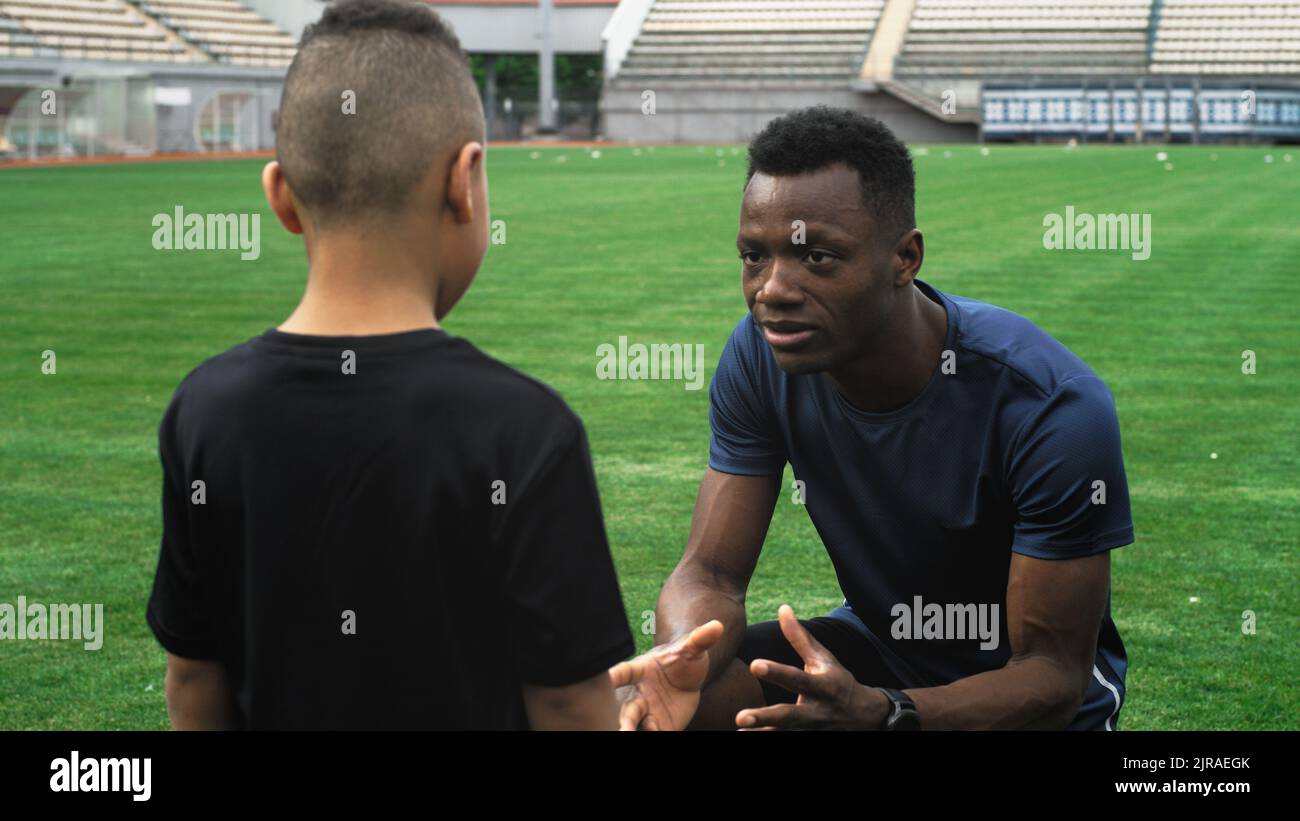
[[781, 284]]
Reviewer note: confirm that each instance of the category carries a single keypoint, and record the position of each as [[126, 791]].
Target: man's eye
[[817, 257], [751, 257]]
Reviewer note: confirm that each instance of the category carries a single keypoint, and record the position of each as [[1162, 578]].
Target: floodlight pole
[[546, 70]]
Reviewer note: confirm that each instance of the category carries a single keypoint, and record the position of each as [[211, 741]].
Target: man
[[961, 466], [368, 523]]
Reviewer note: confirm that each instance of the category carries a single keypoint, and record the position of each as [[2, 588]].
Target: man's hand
[[829, 697], [660, 689]]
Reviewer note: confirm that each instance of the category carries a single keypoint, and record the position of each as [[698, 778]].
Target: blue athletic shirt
[[924, 505]]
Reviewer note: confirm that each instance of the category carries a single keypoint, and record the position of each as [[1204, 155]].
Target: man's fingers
[[700, 640], [808, 648], [777, 717], [784, 676]]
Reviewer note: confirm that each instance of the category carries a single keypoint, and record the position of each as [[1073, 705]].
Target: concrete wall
[[175, 124], [481, 29], [513, 29], [291, 15], [735, 115]]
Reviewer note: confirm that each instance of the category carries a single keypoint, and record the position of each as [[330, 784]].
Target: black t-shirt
[[388, 531]]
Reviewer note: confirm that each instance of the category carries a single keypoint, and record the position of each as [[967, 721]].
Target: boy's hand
[[660, 689]]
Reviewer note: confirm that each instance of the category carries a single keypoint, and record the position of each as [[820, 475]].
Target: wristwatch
[[902, 712]]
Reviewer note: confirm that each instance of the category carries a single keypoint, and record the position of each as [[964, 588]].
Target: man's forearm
[[690, 598], [1033, 693]]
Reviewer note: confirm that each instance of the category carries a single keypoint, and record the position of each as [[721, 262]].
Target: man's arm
[[199, 695], [1054, 612], [661, 689], [732, 514], [586, 705]]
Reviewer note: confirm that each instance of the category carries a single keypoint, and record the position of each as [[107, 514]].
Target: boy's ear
[[278, 196], [465, 168]]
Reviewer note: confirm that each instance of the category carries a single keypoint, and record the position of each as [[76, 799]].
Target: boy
[[367, 522]]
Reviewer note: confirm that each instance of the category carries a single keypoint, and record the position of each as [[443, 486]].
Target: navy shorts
[[853, 650]]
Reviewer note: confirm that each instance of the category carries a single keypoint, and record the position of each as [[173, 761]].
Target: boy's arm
[[566, 623], [587, 705], [199, 695]]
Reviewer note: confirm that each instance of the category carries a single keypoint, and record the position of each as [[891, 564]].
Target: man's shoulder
[[746, 348], [1009, 341]]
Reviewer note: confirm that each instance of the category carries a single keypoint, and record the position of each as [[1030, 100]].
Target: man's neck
[[898, 371], [354, 291]]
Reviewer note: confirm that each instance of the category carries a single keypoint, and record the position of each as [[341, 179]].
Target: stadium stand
[[1017, 37], [88, 30], [1002, 69], [954, 46], [1227, 37], [226, 30], [793, 42], [209, 71]]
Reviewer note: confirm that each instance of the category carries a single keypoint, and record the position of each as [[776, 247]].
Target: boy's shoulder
[[428, 370]]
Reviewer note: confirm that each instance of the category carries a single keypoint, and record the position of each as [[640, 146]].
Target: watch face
[[906, 720]]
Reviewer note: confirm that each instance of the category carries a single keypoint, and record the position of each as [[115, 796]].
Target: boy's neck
[[354, 291]]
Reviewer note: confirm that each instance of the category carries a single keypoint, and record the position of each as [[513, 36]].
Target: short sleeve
[[565, 612], [176, 611], [1066, 475], [745, 438]]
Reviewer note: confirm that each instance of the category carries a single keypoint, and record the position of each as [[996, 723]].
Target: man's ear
[[278, 196], [909, 253], [465, 167]]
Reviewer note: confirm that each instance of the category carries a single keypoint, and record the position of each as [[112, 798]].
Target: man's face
[[820, 303]]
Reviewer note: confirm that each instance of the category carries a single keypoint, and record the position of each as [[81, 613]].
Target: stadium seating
[[1017, 37], [710, 42], [1227, 37], [227, 30], [88, 29], [184, 31]]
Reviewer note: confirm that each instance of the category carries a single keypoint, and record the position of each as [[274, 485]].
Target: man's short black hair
[[412, 94], [811, 139]]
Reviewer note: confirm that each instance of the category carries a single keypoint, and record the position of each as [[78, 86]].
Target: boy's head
[[381, 134]]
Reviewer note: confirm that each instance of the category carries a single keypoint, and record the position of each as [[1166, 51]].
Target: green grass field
[[639, 243]]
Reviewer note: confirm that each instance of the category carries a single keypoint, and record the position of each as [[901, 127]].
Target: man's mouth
[[787, 335]]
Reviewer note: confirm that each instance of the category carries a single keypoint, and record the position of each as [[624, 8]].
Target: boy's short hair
[[412, 93], [811, 139]]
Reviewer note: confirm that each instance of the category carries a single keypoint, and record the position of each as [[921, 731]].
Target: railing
[[621, 31]]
